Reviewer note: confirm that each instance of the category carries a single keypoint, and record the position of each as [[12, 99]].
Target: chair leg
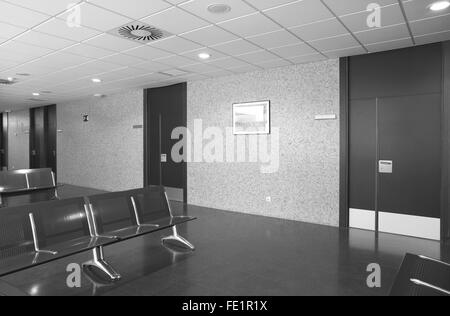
[[178, 239], [99, 262]]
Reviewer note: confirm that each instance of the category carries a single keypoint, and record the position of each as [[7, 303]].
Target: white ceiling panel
[[274, 63], [123, 60], [244, 69], [335, 43], [135, 9], [319, 30], [390, 45], [433, 38], [385, 34], [214, 54], [300, 13], [210, 35], [390, 15], [175, 61], [345, 52], [250, 25], [97, 18], [147, 52], [258, 57], [418, 10], [431, 25], [307, 58], [175, 21], [200, 8], [60, 60], [267, 4], [8, 31], [274, 39], [88, 51], [60, 28], [176, 45], [228, 63], [294, 50], [200, 68], [44, 40], [238, 47], [16, 51], [19, 16], [343, 7], [50, 7], [152, 66], [110, 42]]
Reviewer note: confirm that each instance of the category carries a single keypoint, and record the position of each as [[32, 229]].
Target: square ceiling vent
[[140, 32]]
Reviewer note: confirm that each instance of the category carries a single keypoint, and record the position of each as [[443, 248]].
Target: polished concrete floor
[[239, 255]]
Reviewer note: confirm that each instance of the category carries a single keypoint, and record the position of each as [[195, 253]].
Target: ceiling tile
[[433, 38], [340, 7], [170, 20], [176, 45], [60, 28], [97, 18], [238, 47], [210, 35], [110, 42], [294, 50], [121, 73], [50, 7], [319, 30], [218, 73], [307, 58], [389, 45], [200, 8], [352, 51], [258, 57], [8, 31], [432, 25], [201, 68], [335, 43], [102, 66], [300, 13], [384, 34], [390, 15], [44, 40], [4, 64], [274, 39], [20, 16], [135, 9], [147, 52], [250, 25], [175, 61], [60, 60], [152, 66], [228, 63], [34, 68], [245, 69], [274, 63], [214, 54], [266, 4], [123, 60], [16, 51], [88, 51], [419, 9]]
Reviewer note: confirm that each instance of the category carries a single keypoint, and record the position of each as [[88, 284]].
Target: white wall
[[19, 140], [306, 187], [106, 152]]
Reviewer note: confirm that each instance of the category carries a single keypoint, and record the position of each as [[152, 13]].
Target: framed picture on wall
[[251, 118]]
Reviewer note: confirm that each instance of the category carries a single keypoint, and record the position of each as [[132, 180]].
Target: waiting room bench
[[40, 233], [26, 180]]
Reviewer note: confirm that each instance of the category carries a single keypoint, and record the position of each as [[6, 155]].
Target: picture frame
[[251, 118]]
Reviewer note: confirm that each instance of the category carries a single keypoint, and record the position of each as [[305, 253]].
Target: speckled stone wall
[[19, 140], [106, 152], [306, 187]]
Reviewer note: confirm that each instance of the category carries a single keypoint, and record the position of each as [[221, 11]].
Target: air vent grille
[[140, 32]]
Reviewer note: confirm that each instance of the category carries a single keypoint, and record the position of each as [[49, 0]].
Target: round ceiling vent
[[219, 8], [142, 33]]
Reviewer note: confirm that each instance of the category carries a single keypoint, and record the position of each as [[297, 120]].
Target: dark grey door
[[409, 135]]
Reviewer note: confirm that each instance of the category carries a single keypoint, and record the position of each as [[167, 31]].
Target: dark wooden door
[[43, 137]]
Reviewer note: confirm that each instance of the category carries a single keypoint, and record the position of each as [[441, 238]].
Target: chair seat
[[78, 245], [167, 222], [131, 232], [21, 262]]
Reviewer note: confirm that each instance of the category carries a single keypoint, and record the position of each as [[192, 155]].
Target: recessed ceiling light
[[96, 80], [440, 5], [204, 56], [10, 79], [219, 8], [36, 94], [99, 95]]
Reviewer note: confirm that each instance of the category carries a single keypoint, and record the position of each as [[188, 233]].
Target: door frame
[[344, 199]]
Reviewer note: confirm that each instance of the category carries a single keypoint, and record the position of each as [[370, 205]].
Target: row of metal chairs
[[26, 179], [43, 232]]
